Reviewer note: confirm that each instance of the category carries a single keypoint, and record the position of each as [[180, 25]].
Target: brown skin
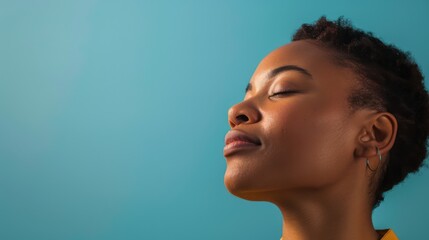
[[312, 160]]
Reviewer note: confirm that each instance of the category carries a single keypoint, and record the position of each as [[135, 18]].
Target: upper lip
[[237, 135]]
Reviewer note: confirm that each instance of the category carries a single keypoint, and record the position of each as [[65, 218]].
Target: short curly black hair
[[390, 81]]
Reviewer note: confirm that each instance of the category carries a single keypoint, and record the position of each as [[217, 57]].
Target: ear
[[379, 131]]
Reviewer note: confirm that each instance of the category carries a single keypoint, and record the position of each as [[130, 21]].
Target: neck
[[322, 215]]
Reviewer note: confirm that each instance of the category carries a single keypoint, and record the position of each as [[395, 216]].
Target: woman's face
[[296, 111]]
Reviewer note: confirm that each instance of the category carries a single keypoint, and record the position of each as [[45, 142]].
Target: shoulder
[[387, 234]]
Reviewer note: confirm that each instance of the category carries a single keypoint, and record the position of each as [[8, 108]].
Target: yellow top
[[388, 234]]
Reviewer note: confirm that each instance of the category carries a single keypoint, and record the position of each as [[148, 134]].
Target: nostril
[[242, 118]]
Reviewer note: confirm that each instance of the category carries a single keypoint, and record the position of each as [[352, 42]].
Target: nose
[[243, 113]]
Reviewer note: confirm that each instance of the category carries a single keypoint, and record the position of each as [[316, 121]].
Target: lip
[[236, 140]]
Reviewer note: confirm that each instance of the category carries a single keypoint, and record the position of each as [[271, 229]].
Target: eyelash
[[283, 93]]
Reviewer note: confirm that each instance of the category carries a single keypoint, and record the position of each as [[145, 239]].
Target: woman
[[328, 124]]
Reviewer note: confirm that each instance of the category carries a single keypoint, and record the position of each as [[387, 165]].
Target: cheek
[[307, 147]]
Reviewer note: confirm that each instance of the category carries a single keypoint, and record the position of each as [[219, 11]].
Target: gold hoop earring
[[379, 157]]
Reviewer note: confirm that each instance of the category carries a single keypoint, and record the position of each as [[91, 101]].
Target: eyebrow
[[273, 73]]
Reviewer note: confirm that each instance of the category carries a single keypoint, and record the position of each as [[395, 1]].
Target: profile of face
[[294, 131]]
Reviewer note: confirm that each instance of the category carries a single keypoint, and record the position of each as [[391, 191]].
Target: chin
[[241, 188]]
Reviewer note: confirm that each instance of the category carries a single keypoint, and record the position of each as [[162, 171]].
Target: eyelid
[[285, 92], [283, 86]]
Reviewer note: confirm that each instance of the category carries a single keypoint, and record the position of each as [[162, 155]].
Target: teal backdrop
[[113, 114]]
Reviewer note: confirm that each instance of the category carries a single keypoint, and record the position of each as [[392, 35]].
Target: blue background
[[113, 113]]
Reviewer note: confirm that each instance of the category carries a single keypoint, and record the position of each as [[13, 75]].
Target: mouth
[[238, 141]]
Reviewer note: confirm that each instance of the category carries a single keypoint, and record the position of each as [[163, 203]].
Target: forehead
[[309, 55], [305, 53]]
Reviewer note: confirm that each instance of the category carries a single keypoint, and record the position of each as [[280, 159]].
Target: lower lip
[[237, 146]]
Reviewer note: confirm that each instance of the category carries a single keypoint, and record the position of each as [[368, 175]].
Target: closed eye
[[283, 93]]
